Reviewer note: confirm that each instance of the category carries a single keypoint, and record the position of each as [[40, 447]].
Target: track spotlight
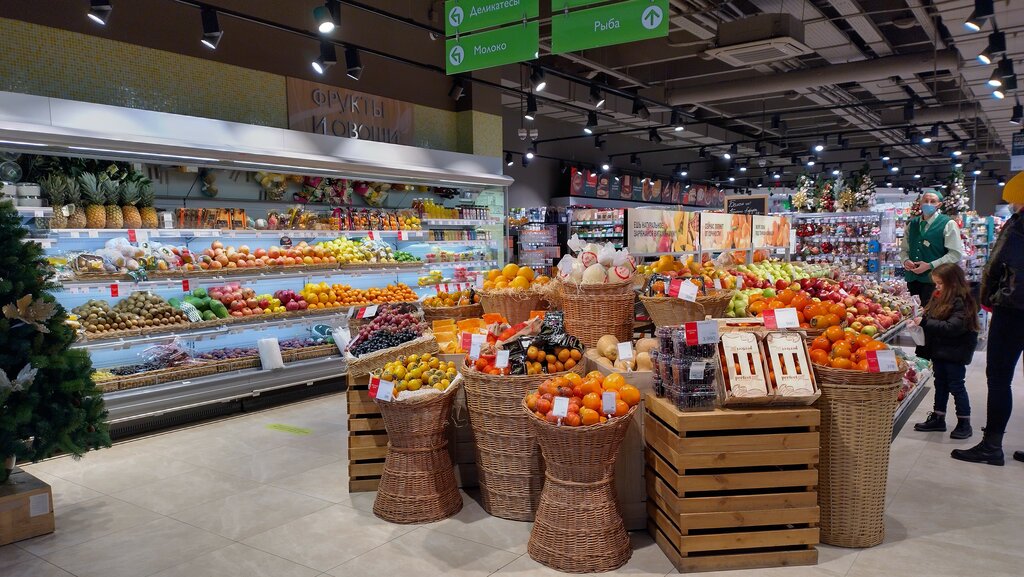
[[640, 109], [776, 176], [677, 121], [996, 79], [458, 89], [956, 150], [996, 45], [703, 152], [1018, 113], [958, 164], [894, 168], [599, 142], [526, 160], [530, 153], [634, 159], [1001, 181], [810, 162], [685, 171], [653, 136], [732, 179], [99, 11], [596, 97], [328, 57], [836, 171], [537, 80], [591, 122], [211, 28], [328, 16], [743, 169], [884, 154], [864, 153], [917, 175], [606, 165], [353, 63], [531, 107], [508, 159], [819, 146], [1009, 79], [983, 10], [976, 171], [729, 154]]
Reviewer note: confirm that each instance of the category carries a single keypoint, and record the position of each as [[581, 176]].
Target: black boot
[[988, 451], [1018, 456], [934, 422], [963, 429]]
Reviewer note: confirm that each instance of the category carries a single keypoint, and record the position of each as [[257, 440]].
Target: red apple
[[291, 305], [251, 303], [237, 305], [247, 312]]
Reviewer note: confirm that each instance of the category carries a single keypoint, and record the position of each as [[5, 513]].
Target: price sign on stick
[[608, 403], [381, 390], [561, 406], [688, 291], [701, 333], [626, 351], [502, 360]]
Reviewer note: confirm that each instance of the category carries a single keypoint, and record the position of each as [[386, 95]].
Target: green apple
[[869, 330], [768, 293]]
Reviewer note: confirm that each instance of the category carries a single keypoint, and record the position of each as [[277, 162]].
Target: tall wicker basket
[[514, 305], [458, 313], [591, 315], [509, 462], [418, 483], [670, 311], [579, 527], [856, 430]]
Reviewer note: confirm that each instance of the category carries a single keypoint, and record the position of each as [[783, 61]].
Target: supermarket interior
[[517, 287]]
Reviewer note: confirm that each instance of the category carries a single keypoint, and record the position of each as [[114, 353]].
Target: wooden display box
[[26, 508], [732, 488]]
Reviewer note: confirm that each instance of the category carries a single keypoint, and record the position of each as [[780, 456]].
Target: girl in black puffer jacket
[[950, 324]]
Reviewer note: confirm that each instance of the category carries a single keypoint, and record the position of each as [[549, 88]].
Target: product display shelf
[[458, 222], [851, 238], [732, 489], [156, 400], [910, 402], [34, 211], [599, 225]]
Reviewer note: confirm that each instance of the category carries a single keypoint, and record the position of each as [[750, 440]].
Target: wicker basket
[[856, 431], [509, 463], [579, 527], [514, 305], [833, 376], [611, 288], [368, 363], [431, 314], [669, 311], [418, 483], [590, 317]]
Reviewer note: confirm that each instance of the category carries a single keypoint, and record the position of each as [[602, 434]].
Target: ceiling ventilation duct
[[760, 39]]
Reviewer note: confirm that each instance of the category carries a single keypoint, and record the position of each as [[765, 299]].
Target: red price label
[[184, 285], [131, 235], [881, 361], [673, 287], [371, 235], [402, 235], [701, 333], [114, 290], [466, 341], [374, 385]]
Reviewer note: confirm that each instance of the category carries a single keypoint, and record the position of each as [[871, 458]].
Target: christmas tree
[[826, 196], [955, 202], [863, 190], [48, 401], [803, 198], [915, 208]]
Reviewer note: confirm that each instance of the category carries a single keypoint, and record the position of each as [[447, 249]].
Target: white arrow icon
[[455, 16], [652, 17], [456, 55]]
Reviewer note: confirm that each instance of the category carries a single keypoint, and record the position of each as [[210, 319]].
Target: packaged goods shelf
[[458, 222]]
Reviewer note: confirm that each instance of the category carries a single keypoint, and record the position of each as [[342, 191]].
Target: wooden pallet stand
[[732, 488]]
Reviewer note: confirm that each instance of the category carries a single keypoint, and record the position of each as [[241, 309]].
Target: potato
[[645, 345], [623, 365], [643, 362], [608, 347]]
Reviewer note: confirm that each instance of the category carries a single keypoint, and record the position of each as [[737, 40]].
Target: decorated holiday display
[[956, 201]]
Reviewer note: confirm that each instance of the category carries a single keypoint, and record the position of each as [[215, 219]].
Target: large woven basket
[[431, 314], [610, 288], [826, 374], [368, 363], [590, 317], [579, 527], [669, 311], [509, 462], [418, 482], [514, 305], [856, 431]]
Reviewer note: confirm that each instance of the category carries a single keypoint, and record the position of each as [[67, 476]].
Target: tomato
[[543, 406], [572, 420]]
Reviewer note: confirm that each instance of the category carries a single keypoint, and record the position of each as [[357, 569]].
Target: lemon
[[526, 272], [510, 271]]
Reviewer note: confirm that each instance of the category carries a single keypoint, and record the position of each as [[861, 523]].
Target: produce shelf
[[177, 233], [156, 400], [894, 331], [474, 242], [458, 222], [34, 211], [909, 404]]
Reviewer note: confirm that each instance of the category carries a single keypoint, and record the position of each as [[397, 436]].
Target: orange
[[592, 401], [630, 394], [569, 364], [842, 363], [821, 343], [834, 333], [614, 382], [563, 355], [575, 355], [819, 357]]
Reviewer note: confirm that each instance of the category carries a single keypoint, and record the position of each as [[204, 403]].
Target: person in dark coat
[[950, 323], [1000, 293]]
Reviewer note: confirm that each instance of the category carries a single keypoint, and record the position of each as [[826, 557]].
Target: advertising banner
[[770, 231], [651, 231], [724, 231]]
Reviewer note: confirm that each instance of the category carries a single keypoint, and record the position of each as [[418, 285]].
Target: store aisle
[[236, 498]]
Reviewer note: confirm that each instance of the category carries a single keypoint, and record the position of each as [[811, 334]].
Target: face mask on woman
[[928, 209]]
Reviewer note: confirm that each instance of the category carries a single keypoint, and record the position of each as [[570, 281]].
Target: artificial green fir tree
[[48, 401]]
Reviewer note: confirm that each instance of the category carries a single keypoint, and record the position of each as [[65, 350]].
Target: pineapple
[[149, 216], [74, 199], [129, 192], [95, 215], [111, 191], [56, 191]]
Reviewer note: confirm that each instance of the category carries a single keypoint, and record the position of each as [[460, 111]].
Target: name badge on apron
[[926, 243]]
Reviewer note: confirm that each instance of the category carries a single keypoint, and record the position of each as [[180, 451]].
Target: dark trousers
[[1005, 344], [949, 379], [923, 290]]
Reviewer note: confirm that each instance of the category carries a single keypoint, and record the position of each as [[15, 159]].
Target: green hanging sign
[[462, 16], [608, 25], [557, 5], [516, 43]]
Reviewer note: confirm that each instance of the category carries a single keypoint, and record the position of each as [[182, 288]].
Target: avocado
[[199, 293]]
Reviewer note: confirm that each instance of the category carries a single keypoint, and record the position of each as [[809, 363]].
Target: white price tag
[[479, 281], [474, 351], [626, 351], [93, 234], [385, 391], [781, 319], [882, 361], [608, 403], [688, 291], [718, 283], [739, 282], [502, 360], [370, 311], [697, 369], [561, 406]]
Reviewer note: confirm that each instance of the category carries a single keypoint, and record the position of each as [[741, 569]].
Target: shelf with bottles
[[598, 223]]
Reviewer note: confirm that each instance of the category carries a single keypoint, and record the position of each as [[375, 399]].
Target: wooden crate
[[367, 437], [26, 508], [732, 488]]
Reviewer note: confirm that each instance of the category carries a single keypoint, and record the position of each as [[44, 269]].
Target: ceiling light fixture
[[884, 155], [995, 80], [458, 89], [599, 142], [976, 171], [591, 122], [353, 63], [917, 175], [1017, 116], [996, 45], [743, 169], [685, 171], [703, 152], [820, 146], [634, 159], [1001, 181], [640, 109], [99, 11], [328, 57], [653, 136], [983, 10], [537, 80], [211, 28], [531, 107], [508, 159], [530, 153], [677, 121], [606, 165], [836, 172], [810, 162], [596, 97], [894, 168], [328, 16]]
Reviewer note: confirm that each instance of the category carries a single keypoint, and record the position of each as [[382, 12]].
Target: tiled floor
[[234, 498]]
